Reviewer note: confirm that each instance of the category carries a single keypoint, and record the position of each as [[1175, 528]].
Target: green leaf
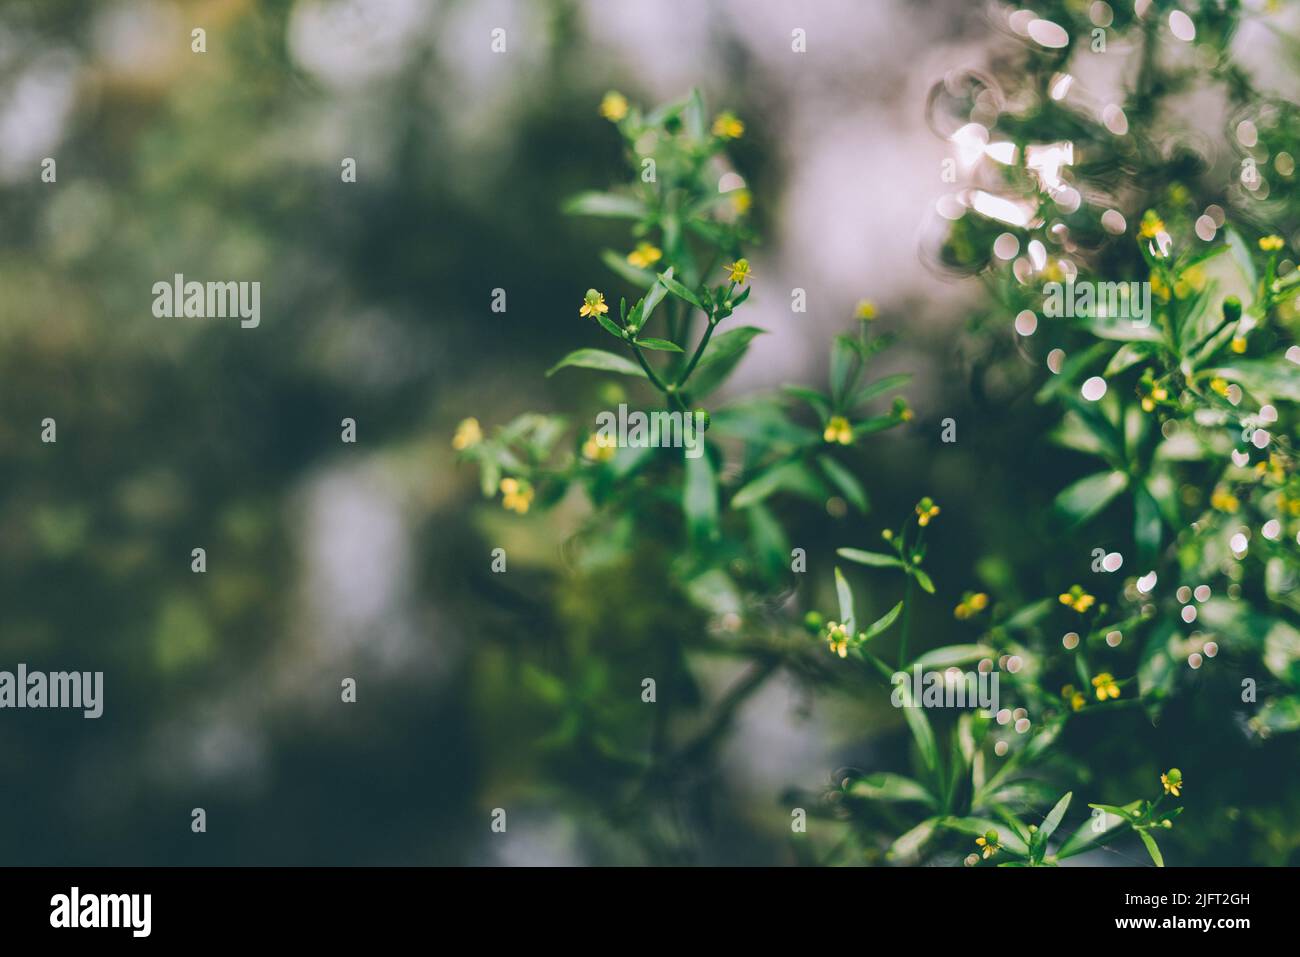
[[977, 826], [680, 291], [846, 363], [1088, 834], [644, 309], [881, 624], [907, 848], [1053, 819], [845, 595], [1241, 255], [694, 117], [598, 359], [700, 496], [1152, 848], [663, 345], [610, 205], [884, 786], [881, 386], [875, 559], [950, 655], [846, 482], [1089, 495], [922, 578], [1265, 378], [791, 477], [610, 326], [723, 355]]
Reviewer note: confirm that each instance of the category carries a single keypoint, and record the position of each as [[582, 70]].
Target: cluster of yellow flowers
[[1223, 500], [468, 433], [645, 255], [614, 106], [972, 603], [728, 126], [1157, 394], [1077, 598], [838, 430], [599, 447], [926, 510], [1105, 686], [1073, 697], [1271, 244], [516, 495]]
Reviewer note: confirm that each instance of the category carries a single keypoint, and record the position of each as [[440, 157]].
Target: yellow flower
[[1077, 598], [1223, 500], [971, 604], [838, 430], [1073, 697], [837, 639], [901, 410], [1172, 781], [738, 271], [728, 126], [645, 255], [593, 304], [1271, 243], [925, 510], [468, 433], [1159, 288], [1219, 385], [741, 200], [865, 310], [1239, 344], [1105, 685], [614, 106], [599, 447], [1152, 225], [516, 495], [989, 841]]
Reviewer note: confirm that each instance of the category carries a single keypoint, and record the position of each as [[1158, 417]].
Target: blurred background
[[371, 560]]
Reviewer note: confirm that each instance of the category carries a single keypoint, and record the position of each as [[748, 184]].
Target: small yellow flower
[[1271, 244], [1219, 385], [738, 272], [1073, 697], [1239, 344], [468, 433], [645, 255], [1077, 598], [838, 430], [1152, 225], [1172, 781], [901, 410], [741, 200], [925, 510], [1105, 686], [614, 106], [989, 841], [593, 304], [837, 639], [865, 310], [516, 495], [599, 447], [972, 603], [1221, 499], [727, 126]]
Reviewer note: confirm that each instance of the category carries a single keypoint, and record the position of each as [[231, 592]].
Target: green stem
[[670, 392]]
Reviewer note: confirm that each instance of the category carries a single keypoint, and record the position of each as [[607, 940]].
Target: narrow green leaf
[[881, 624], [846, 482], [609, 205], [663, 345], [680, 291], [845, 595], [875, 559], [1152, 848], [598, 359]]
